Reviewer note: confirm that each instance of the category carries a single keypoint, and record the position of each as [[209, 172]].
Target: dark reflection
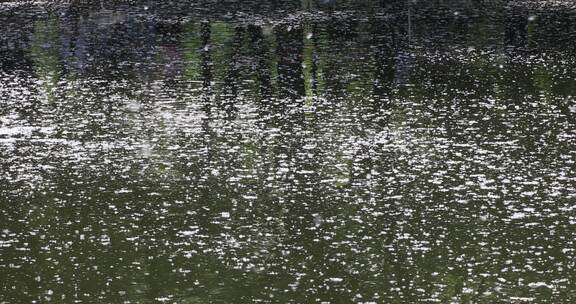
[[516, 23], [385, 52], [206, 58], [233, 72], [290, 43], [261, 65], [286, 151]]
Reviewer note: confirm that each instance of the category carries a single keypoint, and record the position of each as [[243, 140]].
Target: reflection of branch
[[206, 59]]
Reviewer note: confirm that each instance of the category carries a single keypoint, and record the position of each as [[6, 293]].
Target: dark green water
[[288, 152]]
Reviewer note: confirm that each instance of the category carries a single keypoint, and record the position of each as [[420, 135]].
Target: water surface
[[288, 152]]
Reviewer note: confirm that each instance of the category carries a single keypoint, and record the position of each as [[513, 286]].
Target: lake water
[[288, 152]]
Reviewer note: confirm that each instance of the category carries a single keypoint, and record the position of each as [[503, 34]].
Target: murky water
[[288, 152]]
